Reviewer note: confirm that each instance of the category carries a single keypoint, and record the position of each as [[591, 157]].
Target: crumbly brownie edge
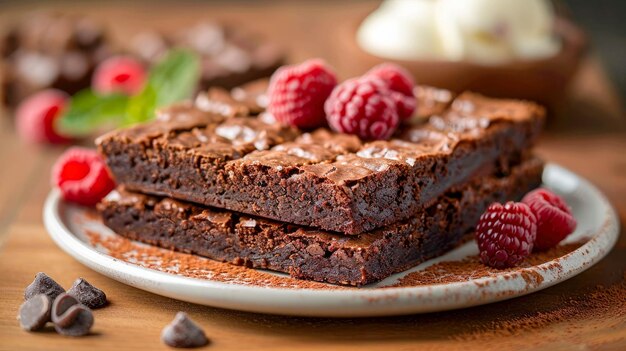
[[311, 254]]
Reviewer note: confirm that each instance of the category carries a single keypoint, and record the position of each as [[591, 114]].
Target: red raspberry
[[400, 81], [554, 218], [505, 234], [36, 116], [297, 93], [119, 75], [82, 177], [362, 106]]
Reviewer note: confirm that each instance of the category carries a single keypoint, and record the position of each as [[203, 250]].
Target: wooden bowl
[[542, 80]]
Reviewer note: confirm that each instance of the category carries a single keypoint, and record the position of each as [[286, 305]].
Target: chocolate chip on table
[[183, 332], [70, 317], [35, 312], [63, 303], [43, 284], [88, 294]]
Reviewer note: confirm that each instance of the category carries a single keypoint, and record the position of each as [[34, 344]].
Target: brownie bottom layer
[[308, 253]]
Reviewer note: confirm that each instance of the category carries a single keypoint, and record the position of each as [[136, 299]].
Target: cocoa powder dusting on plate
[[194, 266], [471, 268], [91, 214], [550, 327]]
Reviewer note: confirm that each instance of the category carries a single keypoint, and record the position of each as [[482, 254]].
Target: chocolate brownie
[[230, 56], [213, 152], [49, 50], [308, 253]]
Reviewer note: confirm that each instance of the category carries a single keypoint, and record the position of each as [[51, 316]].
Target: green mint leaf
[[176, 77], [141, 107], [173, 79], [88, 112]]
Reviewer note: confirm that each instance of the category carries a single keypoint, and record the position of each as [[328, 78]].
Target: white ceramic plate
[[596, 220]]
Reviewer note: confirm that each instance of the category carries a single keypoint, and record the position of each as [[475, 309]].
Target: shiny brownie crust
[[309, 253], [216, 152]]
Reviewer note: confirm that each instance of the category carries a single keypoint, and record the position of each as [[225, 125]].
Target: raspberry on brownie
[[397, 78], [401, 84], [297, 93], [362, 106]]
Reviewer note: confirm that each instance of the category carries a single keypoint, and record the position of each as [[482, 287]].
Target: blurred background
[[566, 54], [604, 20]]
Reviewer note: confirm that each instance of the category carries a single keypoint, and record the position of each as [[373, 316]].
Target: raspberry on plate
[[36, 116], [82, 177], [119, 75], [362, 106], [505, 234], [401, 83], [297, 93], [554, 218]]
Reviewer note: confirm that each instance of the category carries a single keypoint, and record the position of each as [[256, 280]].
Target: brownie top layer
[[228, 128]]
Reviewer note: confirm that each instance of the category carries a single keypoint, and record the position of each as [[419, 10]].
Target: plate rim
[[106, 264]]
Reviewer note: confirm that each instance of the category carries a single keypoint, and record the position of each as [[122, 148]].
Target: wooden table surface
[[588, 138]]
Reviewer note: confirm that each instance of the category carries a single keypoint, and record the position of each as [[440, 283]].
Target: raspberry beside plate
[[82, 177]]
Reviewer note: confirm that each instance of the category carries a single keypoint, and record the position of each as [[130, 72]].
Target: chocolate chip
[[43, 285], [183, 332], [35, 312], [88, 294], [70, 317], [61, 305], [82, 321]]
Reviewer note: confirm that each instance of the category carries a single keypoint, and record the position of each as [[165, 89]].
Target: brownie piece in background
[[230, 56], [50, 50]]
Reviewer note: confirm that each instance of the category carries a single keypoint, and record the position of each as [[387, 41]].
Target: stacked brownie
[[219, 178]]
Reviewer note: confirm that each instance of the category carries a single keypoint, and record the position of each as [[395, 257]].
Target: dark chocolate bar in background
[[213, 153], [312, 254]]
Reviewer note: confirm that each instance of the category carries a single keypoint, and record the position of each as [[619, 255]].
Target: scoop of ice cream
[[483, 31], [401, 29], [495, 31]]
